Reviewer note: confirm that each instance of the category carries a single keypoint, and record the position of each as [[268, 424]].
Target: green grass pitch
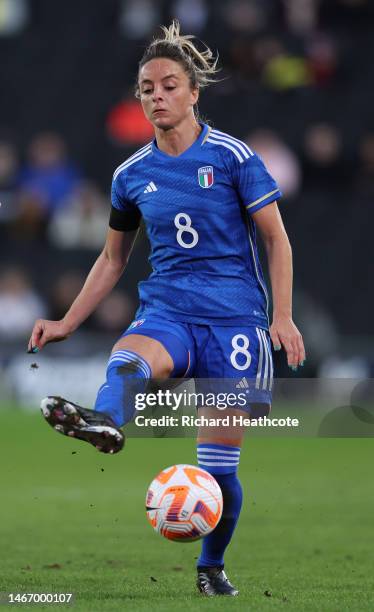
[[73, 520]]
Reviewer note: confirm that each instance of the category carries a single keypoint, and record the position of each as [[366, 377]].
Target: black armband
[[124, 221]]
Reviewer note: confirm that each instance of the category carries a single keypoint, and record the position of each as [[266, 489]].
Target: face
[[165, 93]]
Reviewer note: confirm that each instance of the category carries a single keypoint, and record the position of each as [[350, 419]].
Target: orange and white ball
[[184, 503]]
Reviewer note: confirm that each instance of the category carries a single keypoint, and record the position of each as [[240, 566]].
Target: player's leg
[[131, 365], [134, 360], [160, 350], [233, 355], [218, 452], [149, 348]]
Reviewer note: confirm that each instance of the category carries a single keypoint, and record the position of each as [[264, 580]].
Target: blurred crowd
[[45, 199], [293, 85]]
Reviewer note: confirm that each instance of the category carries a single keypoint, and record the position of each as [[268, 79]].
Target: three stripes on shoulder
[[143, 152], [238, 148]]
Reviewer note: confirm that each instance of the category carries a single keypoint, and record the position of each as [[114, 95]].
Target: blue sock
[[222, 462], [127, 374]]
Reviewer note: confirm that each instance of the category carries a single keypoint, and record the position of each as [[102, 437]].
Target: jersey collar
[[188, 153]]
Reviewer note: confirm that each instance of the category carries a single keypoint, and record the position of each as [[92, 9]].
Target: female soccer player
[[203, 311]]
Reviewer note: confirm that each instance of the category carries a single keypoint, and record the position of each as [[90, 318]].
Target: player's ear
[[194, 95]]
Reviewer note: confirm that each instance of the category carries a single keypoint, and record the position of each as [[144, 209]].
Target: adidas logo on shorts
[[242, 384]]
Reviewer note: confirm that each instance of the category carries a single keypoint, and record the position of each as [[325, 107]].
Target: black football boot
[[213, 581], [72, 420]]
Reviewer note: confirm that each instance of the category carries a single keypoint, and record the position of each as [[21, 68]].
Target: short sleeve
[[254, 183], [124, 215]]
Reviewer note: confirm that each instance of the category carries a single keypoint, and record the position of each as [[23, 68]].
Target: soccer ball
[[184, 503]]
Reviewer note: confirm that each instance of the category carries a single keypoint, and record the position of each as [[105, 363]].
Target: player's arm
[[103, 276], [283, 331]]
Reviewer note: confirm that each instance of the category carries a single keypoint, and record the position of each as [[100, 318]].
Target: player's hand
[[47, 331], [284, 333]]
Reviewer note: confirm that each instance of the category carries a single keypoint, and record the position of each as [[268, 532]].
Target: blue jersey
[[197, 209]]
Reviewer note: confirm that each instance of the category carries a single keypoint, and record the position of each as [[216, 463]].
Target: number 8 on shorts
[[240, 344]]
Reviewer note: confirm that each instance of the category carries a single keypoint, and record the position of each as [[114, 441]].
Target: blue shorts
[[210, 352]]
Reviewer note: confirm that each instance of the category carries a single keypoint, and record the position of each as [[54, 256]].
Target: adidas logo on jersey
[[243, 384], [150, 187]]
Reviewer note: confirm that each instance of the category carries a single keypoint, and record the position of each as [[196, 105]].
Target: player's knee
[[129, 364], [149, 350]]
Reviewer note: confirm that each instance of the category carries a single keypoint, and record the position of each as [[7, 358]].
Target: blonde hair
[[200, 66]]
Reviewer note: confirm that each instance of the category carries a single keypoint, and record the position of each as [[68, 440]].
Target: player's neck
[[175, 141]]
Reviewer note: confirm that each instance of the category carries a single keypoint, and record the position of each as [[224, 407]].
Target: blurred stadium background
[[295, 85]]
